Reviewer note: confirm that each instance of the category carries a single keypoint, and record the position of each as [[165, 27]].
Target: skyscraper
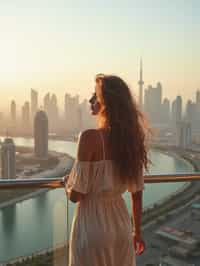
[[26, 114], [34, 102], [71, 113], [86, 120], [141, 83], [47, 103], [13, 112], [179, 108], [166, 111], [54, 108], [183, 134], [198, 97], [41, 135], [190, 112], [8, 169], [197, 108], [152, 103], [80, 118], [176, 111], [51, 109]]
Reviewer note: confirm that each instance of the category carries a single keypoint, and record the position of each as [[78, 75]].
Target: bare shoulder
[[88, 135], [87, 144]]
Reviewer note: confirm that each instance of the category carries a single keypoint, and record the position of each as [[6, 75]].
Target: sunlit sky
[[59, 45]]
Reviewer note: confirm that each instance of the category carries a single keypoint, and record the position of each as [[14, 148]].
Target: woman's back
[[101, 230], [98, 177]]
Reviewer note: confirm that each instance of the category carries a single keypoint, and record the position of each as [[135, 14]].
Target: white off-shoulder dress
[[102, 232]]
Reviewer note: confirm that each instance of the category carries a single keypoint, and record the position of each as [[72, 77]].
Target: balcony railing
[[150, 214], [58, 182]]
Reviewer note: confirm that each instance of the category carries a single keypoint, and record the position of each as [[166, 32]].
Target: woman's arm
[[137, 210], [137, 216], [84, 153], [72, 195]]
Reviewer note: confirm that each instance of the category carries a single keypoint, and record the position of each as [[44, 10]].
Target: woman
[[110, 160]]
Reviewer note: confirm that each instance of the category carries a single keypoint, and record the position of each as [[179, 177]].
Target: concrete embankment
[[158, 209], [181, 196], [60, 170], [58, 255]]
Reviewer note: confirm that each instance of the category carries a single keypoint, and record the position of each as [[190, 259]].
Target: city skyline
[[61, 104], [41, 104], [54, 46], [51, 51]]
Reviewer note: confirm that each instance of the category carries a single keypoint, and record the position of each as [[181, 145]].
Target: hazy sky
[[59, 45]]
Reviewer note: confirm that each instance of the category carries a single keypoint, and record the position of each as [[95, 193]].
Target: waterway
[[40, 223]]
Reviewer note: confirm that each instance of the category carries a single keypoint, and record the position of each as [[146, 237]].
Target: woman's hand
[[138, 244], [65, 179], [74, 196]]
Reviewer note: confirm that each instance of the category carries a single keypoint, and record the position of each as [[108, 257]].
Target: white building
[[8, 164]]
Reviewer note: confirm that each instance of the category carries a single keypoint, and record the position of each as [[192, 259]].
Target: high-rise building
[[13, 112], [141, 83], [192, 115], [8, 168], [86, 119], [197, 107], [54, 108], [80, 118], [178, 108], [198, 96], [51, 109], [146, 99], [159, 93], [41, 135], [153, 103], [47, 103], [183, 134], [34, 102], [71, 113], [26, 114], [67, 111], [176, 111], [166, 111], [190, 111]]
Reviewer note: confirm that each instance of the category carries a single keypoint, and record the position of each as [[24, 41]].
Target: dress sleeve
[[79, 177], [136, 185]]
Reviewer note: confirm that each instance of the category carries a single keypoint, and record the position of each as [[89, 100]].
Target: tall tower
[[26, 114], [198, 96], [34, 102], [8, 169], [13, 112], [41, 135], [141, 83], [47, 103], [176, 112]]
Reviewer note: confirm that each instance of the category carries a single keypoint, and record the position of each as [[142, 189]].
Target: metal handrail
[[58, 182]]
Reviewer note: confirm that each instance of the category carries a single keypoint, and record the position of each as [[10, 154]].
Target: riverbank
[[35, 221], [50, 137], [60, 170], [56, 255], [27, 195], [178, 153], [179, 197]]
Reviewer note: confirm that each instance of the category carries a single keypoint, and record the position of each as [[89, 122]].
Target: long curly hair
[[128, 128]]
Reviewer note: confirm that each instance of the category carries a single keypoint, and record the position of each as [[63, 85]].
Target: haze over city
[[59, 46], [50, 153]]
